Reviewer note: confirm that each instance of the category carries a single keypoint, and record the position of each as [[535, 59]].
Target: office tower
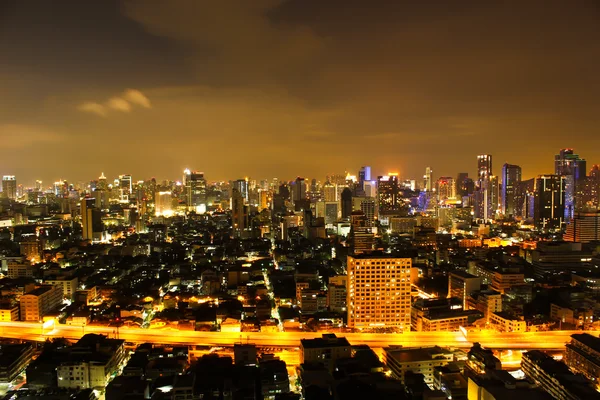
[[549, 202], [163, 203], [102, 183], [524, 199], [239, 214], [379, 292], [364, 174], [9, 186], [573, 168], [427, 179], [86, 208], [125, 186], [584, 227], [329, 192], [241, 185], [461, 284], [486, 196], [38, 186], [298, 189], [195, 190], [511, 176], [446, 189], [346, 203], [461, 190], [388, 194], [587, 197], [91, 220], [484, 166]]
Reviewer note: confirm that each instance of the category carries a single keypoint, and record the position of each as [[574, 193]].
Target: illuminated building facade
[[573, 168], [511, 177], [9, 187], [446, 189], [195, 190], [583, 227], [388, 194], [549, 209], [379, 292]]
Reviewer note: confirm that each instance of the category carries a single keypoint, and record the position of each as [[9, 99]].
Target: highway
[[490, 339]]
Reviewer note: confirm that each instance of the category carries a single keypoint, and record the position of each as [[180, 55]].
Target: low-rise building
[[39, 302], [582, 355], [556, 378], [324, 350], [68, 285], [506, 322], [90, 363], [13, 359], [421, 360]]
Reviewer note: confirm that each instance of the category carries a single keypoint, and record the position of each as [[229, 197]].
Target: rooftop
[[588, 340], [416, 354], [328, 340]]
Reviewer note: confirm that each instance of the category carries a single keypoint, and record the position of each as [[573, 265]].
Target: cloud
[[93, 108], [123, 103], [119, 104], [136, 97]]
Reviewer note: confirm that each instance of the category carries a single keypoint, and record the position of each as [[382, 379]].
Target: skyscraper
[[388, 194], [346, 203], [364, 174], [242, 187], [125, 187], [511, 176], [427, 179], [573, 168], [446, 188], [549, 202], [378, 292], [329, 192], [239, 214], [486, 193], [195, 190], [9, 186], [299, 189], [484, 166]]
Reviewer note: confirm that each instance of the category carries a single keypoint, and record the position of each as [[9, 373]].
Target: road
[[494, 340]]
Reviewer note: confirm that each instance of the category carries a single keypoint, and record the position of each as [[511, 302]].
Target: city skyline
[[153, 84]]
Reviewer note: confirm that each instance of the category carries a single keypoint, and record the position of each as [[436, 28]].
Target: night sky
[[266, 88]]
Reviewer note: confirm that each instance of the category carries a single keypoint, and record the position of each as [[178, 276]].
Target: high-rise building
[[549, 202], [239, 214], [299, 189], [38, 186], [241, 185], [9, 186], [583, 227], [346, 203], [484, 166], [102, 183], [87, 208], [329, 192], [587, 196], [388, 194], [427, 179], [446, 189], [379, 292], [364, 174], [125, 188], [524, 199], [195, 190], [511, 176], [461, 284], [573, 168], [163, 203]]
